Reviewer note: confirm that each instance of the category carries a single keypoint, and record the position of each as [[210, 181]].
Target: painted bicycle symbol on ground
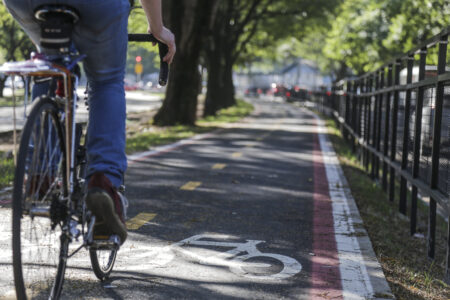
[[243, 259]]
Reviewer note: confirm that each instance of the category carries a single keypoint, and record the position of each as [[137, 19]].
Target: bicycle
[[49, 210], [254, 264]]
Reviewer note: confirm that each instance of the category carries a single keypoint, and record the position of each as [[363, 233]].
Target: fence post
[[368, 119], [436, 149], [354, 110], [405, 146], [360, 107], [418, 130], [394, 129], [386, 128], [380, 112], [347, 117], [360, 118], [375, 127]]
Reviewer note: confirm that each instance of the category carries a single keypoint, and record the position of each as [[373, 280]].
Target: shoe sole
[[101, 205]]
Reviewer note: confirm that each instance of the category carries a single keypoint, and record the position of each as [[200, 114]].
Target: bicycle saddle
[[56, 22]]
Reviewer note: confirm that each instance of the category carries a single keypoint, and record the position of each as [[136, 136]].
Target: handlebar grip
[[163, 49], [163, 66]]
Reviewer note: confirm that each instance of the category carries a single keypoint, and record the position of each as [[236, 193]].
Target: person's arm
[[153, 12]]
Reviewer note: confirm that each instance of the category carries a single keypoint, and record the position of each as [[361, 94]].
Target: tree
[[244, 27], [14, 43], [223, 48], [189, 20]]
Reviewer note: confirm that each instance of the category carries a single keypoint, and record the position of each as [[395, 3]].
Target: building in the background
[[302, 74]]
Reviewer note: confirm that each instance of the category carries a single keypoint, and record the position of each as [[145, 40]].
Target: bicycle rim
[[40, 252], [102, 262]]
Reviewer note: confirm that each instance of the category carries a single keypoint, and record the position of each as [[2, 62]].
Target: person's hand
[[167, 37]]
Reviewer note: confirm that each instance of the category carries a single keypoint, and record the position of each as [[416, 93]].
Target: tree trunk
[[228, 84], [220, 93], [187, 19], [218, 49], [2, 84], [214, 87]]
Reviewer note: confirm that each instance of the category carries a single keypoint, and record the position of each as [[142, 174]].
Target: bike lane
[[249, 185], [260, 210]]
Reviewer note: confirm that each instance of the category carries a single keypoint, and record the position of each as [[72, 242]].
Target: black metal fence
[[399, 117]]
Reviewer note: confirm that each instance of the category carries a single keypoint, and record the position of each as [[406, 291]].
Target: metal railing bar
[[425, 189]]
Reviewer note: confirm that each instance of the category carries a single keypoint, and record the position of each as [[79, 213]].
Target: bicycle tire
[[39, 182], [102, 267]]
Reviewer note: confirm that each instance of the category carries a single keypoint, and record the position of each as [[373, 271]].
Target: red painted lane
[[325, 277]]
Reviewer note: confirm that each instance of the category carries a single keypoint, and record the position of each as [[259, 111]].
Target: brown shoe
[[107, 205]]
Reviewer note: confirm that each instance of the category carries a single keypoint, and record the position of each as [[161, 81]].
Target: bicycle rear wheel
[[39, 211], [102, 261]]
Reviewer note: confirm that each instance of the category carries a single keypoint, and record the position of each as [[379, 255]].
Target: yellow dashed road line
[[140, 220], [236, 154], [191, 185], [219, 166]]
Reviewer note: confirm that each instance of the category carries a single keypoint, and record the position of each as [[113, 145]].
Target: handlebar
[[163, 49]]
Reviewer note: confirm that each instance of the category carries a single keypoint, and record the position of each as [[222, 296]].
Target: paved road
[[255, 211], [136, 102]]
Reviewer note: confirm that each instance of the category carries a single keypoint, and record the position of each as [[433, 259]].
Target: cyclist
[[101, 34]]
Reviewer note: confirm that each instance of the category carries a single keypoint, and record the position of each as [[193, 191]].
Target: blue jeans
[[101, 34]]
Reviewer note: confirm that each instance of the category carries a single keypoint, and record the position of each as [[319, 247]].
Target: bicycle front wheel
[[39, 209]]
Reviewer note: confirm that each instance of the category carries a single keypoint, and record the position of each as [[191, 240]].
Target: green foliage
[[367, 33], [6, 170], [359, 34], [416, 21], [282, 25], [14, 43]]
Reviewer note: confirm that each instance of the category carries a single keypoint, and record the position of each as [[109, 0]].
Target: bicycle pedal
[[103, 242]]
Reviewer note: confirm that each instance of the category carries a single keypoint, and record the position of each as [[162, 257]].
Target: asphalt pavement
[[258, 210]]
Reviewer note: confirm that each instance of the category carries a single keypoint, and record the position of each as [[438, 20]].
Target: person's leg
[[102, 35], [106, 131]]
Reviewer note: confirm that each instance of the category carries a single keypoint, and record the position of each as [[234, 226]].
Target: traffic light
[[138, 59]]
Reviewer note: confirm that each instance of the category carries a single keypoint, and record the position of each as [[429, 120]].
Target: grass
[[228, 115], [6, 170], [410, 274], [151, 136]]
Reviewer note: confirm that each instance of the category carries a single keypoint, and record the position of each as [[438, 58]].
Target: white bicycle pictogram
[[236, 259]]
